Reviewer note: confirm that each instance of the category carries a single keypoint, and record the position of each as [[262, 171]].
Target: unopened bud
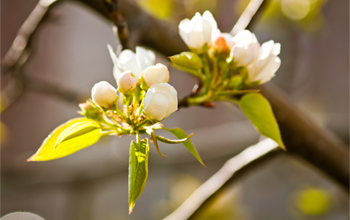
[[126, 82], [156, 74], [220, 45], [104, 94], [160, 101]]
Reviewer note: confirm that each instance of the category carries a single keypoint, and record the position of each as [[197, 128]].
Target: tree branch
[[47, 88], [233, 169], [20, 46], [304, 138]]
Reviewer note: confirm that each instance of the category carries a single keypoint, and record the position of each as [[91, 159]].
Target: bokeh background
[[70, 51]]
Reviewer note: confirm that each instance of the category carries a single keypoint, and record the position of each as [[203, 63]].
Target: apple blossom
[[126, 82], [128, 60], [104, 94], [160, 101], [156, 74], [198, 31], [267, 63]]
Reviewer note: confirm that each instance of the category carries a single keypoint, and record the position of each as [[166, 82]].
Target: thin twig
[[47, 88], [21, 43], [232, 170], [248, 16]]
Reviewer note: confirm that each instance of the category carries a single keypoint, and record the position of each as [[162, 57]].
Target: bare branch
[[248, 16], [232, 170], [21, 43]]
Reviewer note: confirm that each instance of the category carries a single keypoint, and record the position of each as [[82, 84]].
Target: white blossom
[[160, 101], [267, 63], [156, 74], [126, 82], [104, 94], [134, 62], [199, 30], [245, 49]]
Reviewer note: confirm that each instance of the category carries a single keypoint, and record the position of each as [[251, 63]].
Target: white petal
[[128, 61], [269, 69], [196, 40], [145, 58], [209, 17]]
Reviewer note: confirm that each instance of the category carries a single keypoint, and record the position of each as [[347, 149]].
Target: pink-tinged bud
[[156, 74], [126, 83], [104, 94], [220, 45]]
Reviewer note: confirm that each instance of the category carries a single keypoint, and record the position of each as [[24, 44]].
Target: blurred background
[[70, 51]]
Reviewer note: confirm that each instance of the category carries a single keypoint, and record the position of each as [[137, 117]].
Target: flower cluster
[[143, 89], [223, 62]]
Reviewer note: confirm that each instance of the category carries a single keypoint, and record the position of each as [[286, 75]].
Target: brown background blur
[[70, 51]]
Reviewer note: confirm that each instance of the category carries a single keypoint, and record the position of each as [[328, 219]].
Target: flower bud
[[126, 82], [220, 45], [245, 49], [156, 74], [160, 101], [104, 94]]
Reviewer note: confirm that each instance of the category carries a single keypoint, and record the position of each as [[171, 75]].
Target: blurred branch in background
[[248, 16], [117, 19], [232, 170], [301, 135]]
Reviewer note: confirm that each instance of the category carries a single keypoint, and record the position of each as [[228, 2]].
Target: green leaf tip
[[71, 143], [258, 110], [179, 133], [138, 170]]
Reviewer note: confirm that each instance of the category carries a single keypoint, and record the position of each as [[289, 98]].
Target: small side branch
[[232, 170]]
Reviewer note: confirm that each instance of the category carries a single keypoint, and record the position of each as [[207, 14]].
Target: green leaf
[[77, 129], [259, 112], [179, 133], [138, 170], [47, 150]]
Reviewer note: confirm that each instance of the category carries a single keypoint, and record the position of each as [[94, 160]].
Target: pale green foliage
[[67, 139], [138, 170], [179, 133], [259, 112]]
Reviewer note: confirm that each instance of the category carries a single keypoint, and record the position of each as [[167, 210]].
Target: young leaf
[[47, 150], [77, 129], [259, 112], [179, 133], [138, 170]]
